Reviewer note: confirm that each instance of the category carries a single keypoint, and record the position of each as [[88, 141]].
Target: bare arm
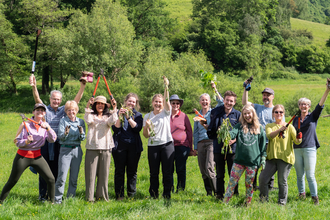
[[245, 97], [167, 104], [80, 92], [325, 95], [35, 90], [216, 91]]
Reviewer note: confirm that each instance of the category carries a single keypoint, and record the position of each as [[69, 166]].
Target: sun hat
[[39, 105], [100, 99], [176, 97]]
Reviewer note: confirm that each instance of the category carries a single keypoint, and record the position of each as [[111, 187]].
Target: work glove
[[247, 86], [81, 130], [263, 163], [299, 135], [67, 129]]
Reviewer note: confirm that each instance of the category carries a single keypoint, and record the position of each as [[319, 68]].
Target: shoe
[[120, 198], [316, 200], [302, 196], [220, 197]]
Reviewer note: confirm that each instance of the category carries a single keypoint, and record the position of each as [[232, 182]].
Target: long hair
[[106, 111], [255, 126], [129, 95], [158, 96]]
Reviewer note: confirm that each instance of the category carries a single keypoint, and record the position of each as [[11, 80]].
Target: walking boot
[[316, 200]]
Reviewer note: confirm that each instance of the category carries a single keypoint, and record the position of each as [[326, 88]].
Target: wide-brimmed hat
[[39, 105], [100, 99], [268, 90], [176, 97]]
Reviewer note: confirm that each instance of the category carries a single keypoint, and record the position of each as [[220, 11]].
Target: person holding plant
[[99, 145], [128, 145], [280, 155], [31, 138], [182, 136], [203, 144], [250, 151], [156, 127], [218, 115], [71, 132], [305, 153]]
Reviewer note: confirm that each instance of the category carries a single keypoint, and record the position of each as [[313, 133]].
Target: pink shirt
[[181, 130]]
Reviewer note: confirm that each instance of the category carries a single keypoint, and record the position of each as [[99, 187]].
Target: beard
[[266, 101]]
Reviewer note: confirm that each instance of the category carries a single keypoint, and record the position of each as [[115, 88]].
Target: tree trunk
[[45, 80], [12, 81], [63, 81]]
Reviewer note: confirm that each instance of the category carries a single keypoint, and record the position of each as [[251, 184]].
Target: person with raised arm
[[306, 152], [157, 128], [54, 113]]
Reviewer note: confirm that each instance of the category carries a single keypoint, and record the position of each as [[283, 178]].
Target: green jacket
[[250, 147]]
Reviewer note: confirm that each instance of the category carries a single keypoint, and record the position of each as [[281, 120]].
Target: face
[[157, 104], [100, 107], [267, 98], [229, 102], [248, 116], [304, 107], [39, 112], [55, 100], [175, 105], [278, 114], [131, 102], [71, 113], [205, 102]]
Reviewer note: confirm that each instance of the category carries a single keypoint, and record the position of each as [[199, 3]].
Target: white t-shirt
[[162, 127]]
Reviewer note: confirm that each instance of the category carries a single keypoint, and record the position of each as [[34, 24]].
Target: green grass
[[180, 9], [22, 202]]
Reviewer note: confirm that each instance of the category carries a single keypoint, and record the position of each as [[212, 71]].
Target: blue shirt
[[53, 117], [199, 131], [308, 129], [74, 137], [217, 116]]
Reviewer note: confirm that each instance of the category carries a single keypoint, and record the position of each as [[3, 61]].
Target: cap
[[268, 90], [39, 105], [176, 97]]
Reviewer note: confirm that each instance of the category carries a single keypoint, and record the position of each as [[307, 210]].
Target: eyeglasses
[[175, 103], [278, 112]]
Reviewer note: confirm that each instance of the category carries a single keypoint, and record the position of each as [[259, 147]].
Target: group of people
[[51, 144]]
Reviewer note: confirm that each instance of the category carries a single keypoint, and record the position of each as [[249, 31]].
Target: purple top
[[39, 137]]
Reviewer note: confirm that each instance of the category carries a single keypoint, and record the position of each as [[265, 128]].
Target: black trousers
[[125, 157], [53, 165], [20, 164], [161, 154], [220, 164]]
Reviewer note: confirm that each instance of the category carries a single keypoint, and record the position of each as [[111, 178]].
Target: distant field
[[180, 9]]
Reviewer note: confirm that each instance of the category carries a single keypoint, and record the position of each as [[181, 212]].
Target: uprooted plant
[[223, 135]]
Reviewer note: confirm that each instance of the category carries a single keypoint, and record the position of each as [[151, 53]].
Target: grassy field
[[22, 202]]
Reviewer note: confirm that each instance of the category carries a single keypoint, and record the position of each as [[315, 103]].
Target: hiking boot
[[316, 200], [302, 196]]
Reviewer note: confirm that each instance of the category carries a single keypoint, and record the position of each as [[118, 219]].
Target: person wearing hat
[[264, 113], [182, 136], [99, 145], [31, 138], [54, 113]]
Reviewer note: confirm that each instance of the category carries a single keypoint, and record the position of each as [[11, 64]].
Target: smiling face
[[267, 98], [55, 100], [204, 101], [71, 113], [278, 114], [175, 105], [131, 102], [157, 104], [39, 113], [229, 102], [304, 107], [100, 108], [248, 116]]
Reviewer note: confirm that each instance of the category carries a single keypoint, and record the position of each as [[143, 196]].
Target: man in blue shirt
[[217, 116], [54, 113]]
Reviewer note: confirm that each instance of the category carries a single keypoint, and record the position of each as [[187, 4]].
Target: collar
[[177, 115]]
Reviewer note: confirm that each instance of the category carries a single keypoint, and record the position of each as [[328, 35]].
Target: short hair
[[230, 93], [305, 100], [71, 104], [277, 107], [56, 91], [205, 94], [129, 95]]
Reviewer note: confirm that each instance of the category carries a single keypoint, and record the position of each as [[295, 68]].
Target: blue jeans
[[305, 163], [180, 160]]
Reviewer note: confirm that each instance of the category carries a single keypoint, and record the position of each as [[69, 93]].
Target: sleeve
[[262, 142], [293, 134], [88, 117], [51, 136], [234, 132], [195, 134], [212, 129], [268, 131], [188, 131], [83, 135], [317, 112], [139, 122], [21, 138], [112, 119], [115, 129], [61, 130], [220, 102]]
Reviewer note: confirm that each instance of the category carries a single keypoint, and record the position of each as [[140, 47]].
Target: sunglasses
[[278, 112], [175, 103]]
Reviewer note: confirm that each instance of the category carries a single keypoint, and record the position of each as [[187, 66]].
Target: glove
[[67, 129], [299, 135], [247, 86], [263, 163], [81, 130]]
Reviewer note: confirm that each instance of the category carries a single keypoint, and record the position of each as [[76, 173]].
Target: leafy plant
[[129, 112], [207, 78], [224, 136]]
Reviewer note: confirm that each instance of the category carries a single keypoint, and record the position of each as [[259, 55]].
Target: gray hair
[[205, 94], [305, 100], [56, 91]]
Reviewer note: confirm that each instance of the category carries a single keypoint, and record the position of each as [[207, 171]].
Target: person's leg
[[220, 169], [299, 167], [91, 161], [41, 166], [249, 179], [77, 155], [19, 165], [132, 166], [255, 185], [167, 157], [201, 157], [230, 161], [64, 162], [103, 175], [310, 155], [182, 153], [209, 165], [235, 175], [42, 182], [154, 164], [282, 175], [264, 177], [120, 159]]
